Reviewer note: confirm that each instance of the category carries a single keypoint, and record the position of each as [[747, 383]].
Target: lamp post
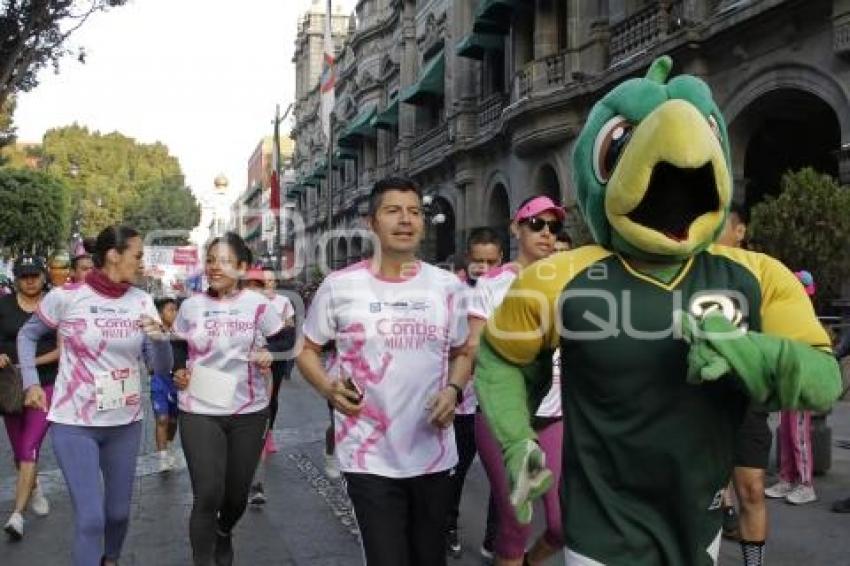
[[277, 165]]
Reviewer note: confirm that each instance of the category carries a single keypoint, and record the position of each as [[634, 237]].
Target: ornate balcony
[[645, 28], [490, 110], [430, 145]]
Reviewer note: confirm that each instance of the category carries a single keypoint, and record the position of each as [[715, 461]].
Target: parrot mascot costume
[[665, 337]]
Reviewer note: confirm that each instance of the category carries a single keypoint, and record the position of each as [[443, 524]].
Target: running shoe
[[801, 495], [331, 467], [779, 490], [453, 543], [223, 549], [38, 502], [165, 463], [14, 527], [486, 552], [257, 495]]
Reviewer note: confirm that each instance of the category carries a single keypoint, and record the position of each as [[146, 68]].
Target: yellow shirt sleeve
[[526, 321], [786, 309]]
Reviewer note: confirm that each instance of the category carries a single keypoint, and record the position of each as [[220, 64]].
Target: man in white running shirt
[[397, 323]]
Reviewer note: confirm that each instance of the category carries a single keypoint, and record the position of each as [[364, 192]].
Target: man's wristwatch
[[458, 393]]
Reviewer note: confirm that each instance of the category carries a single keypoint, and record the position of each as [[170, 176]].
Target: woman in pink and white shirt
[[535, 226], [106, 327], [223, 396]]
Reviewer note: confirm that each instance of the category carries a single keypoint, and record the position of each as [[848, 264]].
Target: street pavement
[[308, 520]]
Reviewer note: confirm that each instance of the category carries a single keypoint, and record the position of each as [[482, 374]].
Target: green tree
[[107, 173], [163, 206], [35, 34], [807, 226], [33, 211]]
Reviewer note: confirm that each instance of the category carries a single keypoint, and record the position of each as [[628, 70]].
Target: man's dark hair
[[740, 211], [395, 183], [564, 237], [482, 236]]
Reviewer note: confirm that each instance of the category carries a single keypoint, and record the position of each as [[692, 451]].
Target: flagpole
[[328, 45], [278, 247]]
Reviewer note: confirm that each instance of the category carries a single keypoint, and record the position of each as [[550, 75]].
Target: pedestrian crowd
[[389, 342]]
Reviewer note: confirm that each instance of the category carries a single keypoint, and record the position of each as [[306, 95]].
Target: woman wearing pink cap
[[536, 225], [795, 440]]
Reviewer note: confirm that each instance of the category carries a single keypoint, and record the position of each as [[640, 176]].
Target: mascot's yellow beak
[[671, 186]]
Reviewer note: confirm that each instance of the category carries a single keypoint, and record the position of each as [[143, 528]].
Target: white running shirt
[[222, 334], [100, 348], [392, 338], [488, 294]]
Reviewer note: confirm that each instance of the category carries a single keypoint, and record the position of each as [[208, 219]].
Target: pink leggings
[[27, 430], [795, 436], [512, 536]]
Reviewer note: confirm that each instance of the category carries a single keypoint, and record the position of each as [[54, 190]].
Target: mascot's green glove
[[501, 390], [778, 372]]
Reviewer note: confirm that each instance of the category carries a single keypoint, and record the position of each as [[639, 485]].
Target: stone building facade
[[480, 101]]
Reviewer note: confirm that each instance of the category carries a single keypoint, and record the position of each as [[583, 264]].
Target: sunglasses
[[536, 224]]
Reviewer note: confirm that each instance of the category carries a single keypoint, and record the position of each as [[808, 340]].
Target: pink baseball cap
[[538, 205], [254, 274]]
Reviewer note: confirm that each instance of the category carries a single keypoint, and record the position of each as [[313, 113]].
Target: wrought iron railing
[[490, 110]]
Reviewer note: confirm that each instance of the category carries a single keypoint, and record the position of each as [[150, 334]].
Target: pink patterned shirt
[[393, 339]]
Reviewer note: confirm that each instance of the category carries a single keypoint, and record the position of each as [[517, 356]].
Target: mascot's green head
[[651, 167]]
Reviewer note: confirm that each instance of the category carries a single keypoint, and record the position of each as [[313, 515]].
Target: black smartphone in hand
[[352, 386]]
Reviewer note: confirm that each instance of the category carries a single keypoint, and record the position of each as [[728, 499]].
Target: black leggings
[[402, 521], [280, 371], [222, 453]]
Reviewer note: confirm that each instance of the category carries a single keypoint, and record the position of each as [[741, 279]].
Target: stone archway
[[341, 257], [547, 183], [499, 214], [784, 129], [439, 242], [356, 250]]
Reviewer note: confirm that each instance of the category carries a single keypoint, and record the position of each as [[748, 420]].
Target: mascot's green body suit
[[664, 336]]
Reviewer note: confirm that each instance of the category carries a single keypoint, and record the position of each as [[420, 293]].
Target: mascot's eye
[[715, 127], [610, 143]]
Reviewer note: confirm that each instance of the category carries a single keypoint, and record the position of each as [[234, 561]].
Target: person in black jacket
[[27, 430]]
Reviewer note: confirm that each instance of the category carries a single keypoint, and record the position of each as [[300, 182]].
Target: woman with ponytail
[[106, 327]]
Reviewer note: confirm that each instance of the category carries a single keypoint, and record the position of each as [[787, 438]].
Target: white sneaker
[[38, 502], [172, 458], [331, 467], [801, 495], [15, 526], [164, 462], [779, 490]]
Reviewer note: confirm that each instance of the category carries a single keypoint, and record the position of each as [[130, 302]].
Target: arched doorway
[[786, 129], [439, 243], [341, 258], [548, 183], [499, 214], [356, 251]]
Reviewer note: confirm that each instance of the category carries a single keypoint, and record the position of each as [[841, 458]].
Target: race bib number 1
[[117, 388]]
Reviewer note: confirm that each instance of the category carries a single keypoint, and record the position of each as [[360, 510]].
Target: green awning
[[359, 126], [431, 83], [494, 16], [387, 119], [297, 189], [310, 181], [475, 45]]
